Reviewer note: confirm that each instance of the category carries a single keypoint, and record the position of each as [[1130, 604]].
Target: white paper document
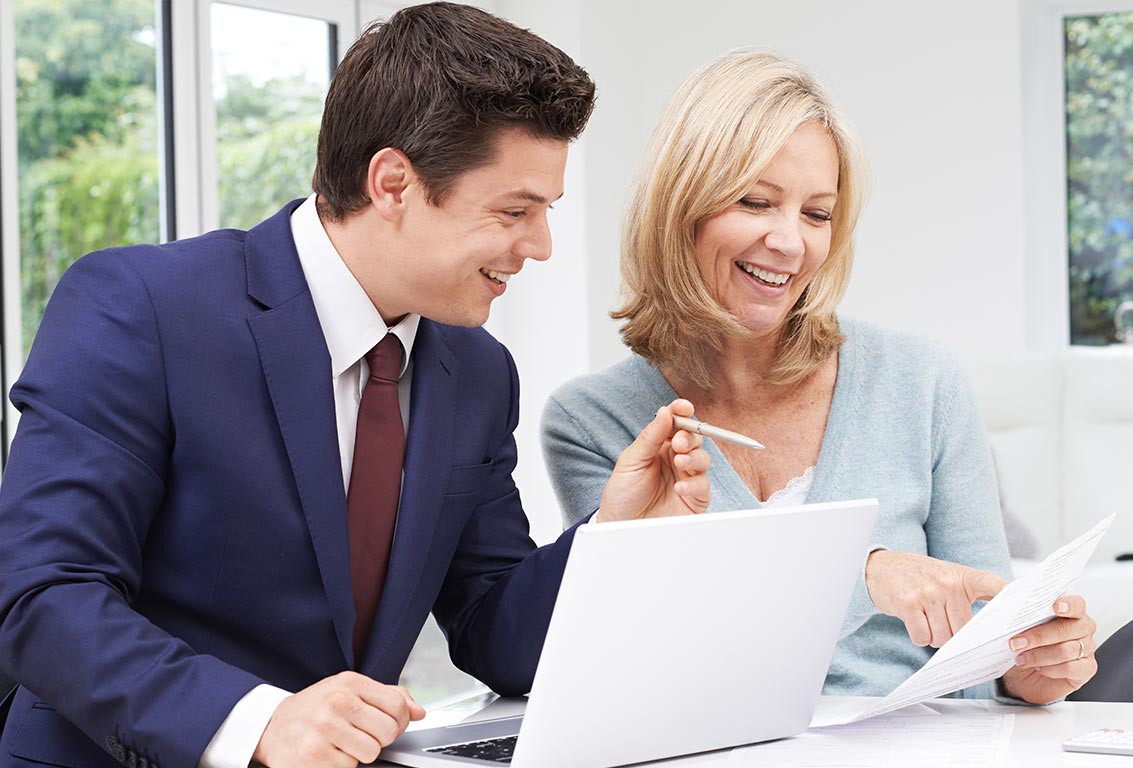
[[891, 741], [980, 650]]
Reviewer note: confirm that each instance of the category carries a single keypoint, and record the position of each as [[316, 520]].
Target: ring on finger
[[1081, 650]]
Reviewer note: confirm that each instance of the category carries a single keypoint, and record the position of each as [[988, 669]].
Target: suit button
[[116, 748]]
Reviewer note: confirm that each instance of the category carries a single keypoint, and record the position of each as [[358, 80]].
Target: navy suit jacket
[[173, 521]]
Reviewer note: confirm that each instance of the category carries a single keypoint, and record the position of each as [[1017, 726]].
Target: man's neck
[[358, 239]]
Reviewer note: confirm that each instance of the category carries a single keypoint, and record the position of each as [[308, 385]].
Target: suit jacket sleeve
[[497, 598], [85, 484]]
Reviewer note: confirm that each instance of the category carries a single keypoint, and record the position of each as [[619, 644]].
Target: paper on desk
[[891, 741], [979, 651]]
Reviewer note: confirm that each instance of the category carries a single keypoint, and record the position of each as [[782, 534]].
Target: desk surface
[[1036, 738]]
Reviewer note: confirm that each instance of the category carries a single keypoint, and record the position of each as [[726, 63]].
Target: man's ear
[[388, 176]]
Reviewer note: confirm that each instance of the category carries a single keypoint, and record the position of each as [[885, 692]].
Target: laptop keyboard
[[489, 750]]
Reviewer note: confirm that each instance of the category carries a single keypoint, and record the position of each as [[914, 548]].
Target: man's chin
[[465, 319]]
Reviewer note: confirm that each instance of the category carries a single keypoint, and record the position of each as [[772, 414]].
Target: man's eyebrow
[[528, 196]]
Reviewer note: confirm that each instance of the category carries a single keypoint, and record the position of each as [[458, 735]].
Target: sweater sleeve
[[578, 466], [964, 524]]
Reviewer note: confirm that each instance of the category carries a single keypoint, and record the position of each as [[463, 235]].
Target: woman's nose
[[786, 237]]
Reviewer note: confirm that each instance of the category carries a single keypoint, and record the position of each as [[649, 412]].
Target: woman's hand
[[933, 597], [1055, 658]]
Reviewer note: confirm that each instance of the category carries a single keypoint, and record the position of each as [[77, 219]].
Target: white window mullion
[[206, 121], [186, 149]]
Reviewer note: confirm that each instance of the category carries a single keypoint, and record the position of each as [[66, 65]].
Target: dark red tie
[[375, 485]]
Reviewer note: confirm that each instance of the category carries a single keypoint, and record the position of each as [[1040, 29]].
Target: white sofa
[[1061, 431]]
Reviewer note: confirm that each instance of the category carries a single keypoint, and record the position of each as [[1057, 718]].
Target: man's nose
[[536, 240]]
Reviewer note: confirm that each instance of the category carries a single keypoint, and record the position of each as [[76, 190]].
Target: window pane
[[86, 117], [1099, 154], [270, 76]]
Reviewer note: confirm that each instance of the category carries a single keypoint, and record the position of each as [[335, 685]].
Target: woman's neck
[[741, 371]]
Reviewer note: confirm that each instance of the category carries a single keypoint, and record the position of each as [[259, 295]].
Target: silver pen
[[716, 433]]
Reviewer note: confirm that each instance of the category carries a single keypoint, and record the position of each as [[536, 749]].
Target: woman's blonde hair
[[716, 136]]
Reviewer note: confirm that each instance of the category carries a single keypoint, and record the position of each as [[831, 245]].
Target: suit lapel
[[428, 462], [296, 367]]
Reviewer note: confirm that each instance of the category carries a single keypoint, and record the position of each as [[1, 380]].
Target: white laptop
[[675, 636]]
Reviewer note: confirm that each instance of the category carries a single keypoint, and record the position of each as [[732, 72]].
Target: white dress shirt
[[352, 327]]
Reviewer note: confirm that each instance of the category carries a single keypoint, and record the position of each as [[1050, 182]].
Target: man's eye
[[514, 214]]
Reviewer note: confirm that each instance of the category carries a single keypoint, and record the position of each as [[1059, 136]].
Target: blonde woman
[[736, 251]]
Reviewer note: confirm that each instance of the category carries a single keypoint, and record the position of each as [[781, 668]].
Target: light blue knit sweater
[[903, 428]]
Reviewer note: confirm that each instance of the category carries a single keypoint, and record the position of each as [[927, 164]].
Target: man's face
[[453, 259]]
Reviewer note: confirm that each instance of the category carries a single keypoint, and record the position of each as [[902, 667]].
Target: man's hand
[[340, 721], [1055, 658], [663, 472], [933, 597]]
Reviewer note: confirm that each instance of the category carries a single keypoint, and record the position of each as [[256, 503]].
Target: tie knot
[[385, 359]]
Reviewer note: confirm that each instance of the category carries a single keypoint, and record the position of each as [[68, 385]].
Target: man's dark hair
[[439, 82]]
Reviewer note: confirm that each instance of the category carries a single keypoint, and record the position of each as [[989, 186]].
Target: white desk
[[1035, 739]]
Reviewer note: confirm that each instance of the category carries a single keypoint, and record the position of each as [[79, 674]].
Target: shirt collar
[[351, 323]]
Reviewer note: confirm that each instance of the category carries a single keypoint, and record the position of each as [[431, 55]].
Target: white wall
[[936, 91]]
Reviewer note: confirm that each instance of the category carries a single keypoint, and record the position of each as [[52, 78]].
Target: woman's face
[[759, 254]]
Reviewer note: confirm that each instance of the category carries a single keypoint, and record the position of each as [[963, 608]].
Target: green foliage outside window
[[265, 146], [1099, 132]]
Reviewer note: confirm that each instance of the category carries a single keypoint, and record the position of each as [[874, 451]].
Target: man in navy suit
[[175, 571]]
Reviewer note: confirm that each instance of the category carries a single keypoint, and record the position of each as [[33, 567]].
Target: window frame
[[196, 184], [1047, 276]]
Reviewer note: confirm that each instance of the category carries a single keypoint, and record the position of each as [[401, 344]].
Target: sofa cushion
[[1021, 403], [1097, 455]]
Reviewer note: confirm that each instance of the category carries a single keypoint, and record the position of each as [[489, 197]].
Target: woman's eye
[[754, 204], [822, 216]]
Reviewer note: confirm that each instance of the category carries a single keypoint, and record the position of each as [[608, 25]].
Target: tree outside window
[[88, 152], [270, 76], [1099, 142], [86, 120]]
